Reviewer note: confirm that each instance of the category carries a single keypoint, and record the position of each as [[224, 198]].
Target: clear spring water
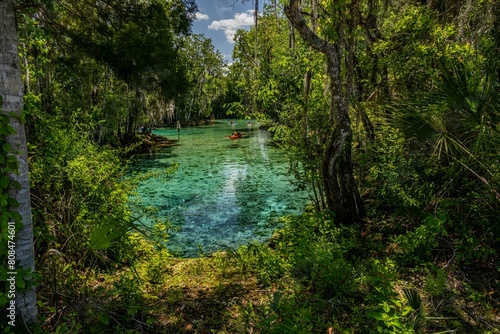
[[225, 192]]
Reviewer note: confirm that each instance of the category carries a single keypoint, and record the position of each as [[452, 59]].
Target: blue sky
[[219, 20]]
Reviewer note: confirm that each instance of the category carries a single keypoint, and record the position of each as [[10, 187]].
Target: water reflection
[[225, 192]]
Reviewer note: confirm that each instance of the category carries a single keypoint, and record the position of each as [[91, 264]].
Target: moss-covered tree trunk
[[342, 194]]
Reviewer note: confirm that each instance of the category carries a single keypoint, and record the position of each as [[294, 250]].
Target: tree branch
[[292, 11]]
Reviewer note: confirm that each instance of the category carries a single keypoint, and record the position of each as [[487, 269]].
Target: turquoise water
[[225, 192]]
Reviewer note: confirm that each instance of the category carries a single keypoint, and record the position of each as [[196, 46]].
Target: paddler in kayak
[[236, 134]]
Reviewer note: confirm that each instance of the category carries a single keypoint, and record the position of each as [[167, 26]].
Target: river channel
[[225, 192]]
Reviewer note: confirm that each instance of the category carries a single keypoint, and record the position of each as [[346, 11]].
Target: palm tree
[[458, 119], [11, 91]]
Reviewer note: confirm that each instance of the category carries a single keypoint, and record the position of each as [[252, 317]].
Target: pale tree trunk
[[291, 38], [255, 53], [372, 36], [256, 20], [314, 16], [308, 74], [342, 194], [11, 90], [275, 5]]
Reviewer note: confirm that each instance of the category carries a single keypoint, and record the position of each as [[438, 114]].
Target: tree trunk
[[314, 16], [372, 36], [291, 37], [11, 90], [342, 194], [256, 20], [132, 117]]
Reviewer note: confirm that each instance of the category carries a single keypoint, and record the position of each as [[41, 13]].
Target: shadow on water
[[225, 192]]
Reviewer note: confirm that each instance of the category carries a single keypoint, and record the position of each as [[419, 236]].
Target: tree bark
[[256, 20], [342, 194], [11, 90]]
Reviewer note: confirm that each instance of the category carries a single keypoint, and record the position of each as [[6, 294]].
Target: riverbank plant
[[333, 283], [313, 275]]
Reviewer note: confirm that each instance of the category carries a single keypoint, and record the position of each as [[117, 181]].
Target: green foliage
[[400, 317], [286, 314], [267, 264], [322, 281], [268, 85], [331, 275], [411, 45], [235, 108], [454, 126], [417, 246], [84, 208], [309, 255], [96, 302], [135, 39], [394, 179], [435, 282], [391, 317], [206, 79], [111, 70], [459, 116]]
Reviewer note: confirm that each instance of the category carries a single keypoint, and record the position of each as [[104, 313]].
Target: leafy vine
[[8, 216]]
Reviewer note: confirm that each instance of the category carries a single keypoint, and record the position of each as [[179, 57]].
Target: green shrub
[[326, 271], [267, 264], [391, 317], [417, 246], [435, 282], [393, 177], [84, 195]]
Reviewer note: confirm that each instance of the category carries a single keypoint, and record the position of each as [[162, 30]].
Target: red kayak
[[239, 135]]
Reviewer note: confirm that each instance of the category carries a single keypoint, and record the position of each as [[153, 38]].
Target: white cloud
[[230, 26], [201, 17]]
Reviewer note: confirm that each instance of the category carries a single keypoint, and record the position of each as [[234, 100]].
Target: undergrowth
[[407, 269], [311, 277]]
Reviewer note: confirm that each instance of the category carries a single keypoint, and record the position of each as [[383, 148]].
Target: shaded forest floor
[[258, 289]]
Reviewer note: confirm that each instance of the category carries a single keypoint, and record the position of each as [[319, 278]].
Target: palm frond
[[413, 298]]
